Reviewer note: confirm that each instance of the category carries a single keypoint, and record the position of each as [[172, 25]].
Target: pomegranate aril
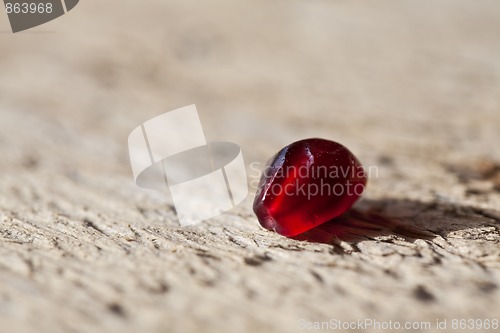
[[307, 183]]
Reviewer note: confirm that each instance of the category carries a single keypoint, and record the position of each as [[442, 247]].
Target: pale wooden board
[[411, 87]]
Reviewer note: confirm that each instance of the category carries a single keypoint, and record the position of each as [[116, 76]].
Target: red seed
[[307, 183]]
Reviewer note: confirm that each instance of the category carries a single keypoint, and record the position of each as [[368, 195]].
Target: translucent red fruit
[[307, 183]]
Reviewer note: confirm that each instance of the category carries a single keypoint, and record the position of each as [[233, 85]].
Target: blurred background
[[396, 77], [412, 87]]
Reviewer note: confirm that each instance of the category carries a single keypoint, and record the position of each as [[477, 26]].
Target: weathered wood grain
[[411, 87]]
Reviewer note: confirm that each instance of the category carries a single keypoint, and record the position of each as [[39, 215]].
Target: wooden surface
[[411, 87]]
